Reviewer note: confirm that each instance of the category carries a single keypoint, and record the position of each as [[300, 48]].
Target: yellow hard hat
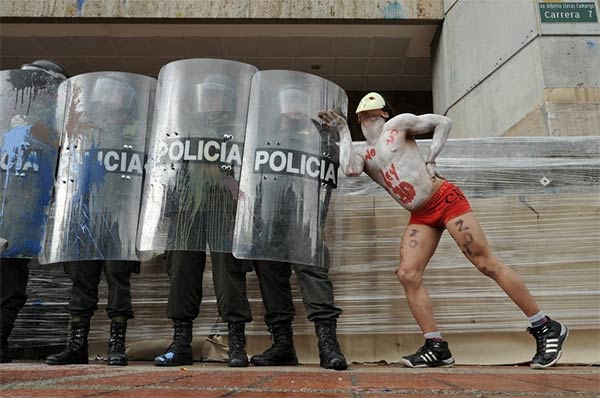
[[369, 102]]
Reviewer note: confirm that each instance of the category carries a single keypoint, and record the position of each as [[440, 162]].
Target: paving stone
[[564, 382], [492, 383], [220, 379], [154, 393], [143, 380], [10, 373], [294, 394], [51, 393], [131, 380], [329, 380], [379, 381], [417, 395]]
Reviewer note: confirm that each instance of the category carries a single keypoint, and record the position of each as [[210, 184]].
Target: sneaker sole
[[539, 366], [409, 364]]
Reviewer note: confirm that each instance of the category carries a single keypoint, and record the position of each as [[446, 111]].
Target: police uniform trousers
[[14, 274], [186, 270], [276, 291], [86, 277]]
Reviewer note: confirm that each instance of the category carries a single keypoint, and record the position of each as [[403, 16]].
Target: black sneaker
[[549, 339], [433, 354]]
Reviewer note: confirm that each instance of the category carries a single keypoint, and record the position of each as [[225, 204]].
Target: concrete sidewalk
[[202, 380]]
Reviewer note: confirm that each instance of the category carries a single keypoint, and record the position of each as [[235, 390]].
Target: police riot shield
[[195, 153], [290, 169], [97, 194], [28, 155]]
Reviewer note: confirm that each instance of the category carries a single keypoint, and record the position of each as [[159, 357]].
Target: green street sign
[[568, 12]]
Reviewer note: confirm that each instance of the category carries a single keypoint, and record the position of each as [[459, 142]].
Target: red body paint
[[405, 191], [371, 152], [392, 138]]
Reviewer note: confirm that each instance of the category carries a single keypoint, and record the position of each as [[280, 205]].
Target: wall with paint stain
[[319, 9], [496, 61]]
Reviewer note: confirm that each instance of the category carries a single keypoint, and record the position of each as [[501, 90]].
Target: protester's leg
[[14, 274], [469, 236], [276, 292], [186, 273], [85, 276], [229, 279], [418, 245], [118, 308], [549, 334], [416, 248]]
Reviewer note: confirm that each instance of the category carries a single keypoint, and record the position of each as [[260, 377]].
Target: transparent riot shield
[[97, 194], [290, 169], [28, 155], [195, 153]]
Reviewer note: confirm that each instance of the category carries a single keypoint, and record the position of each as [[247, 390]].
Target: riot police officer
[[209, 124], [30, 117], [97, 199], [288, 202]]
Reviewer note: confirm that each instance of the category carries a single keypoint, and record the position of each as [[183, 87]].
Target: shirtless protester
[[392, 159]]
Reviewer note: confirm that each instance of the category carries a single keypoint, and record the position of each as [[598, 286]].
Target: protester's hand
[[333, 120], [431, 169]]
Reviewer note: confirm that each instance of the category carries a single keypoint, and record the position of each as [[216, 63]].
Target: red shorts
[[445, 204]]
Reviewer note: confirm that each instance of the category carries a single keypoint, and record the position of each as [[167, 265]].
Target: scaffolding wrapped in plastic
[[536, 198]]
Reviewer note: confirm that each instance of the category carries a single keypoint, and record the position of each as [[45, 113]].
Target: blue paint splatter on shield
[[29, 177], [90, 179]]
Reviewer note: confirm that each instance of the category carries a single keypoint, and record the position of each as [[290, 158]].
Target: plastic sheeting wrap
[[537, 199], [43, 321]]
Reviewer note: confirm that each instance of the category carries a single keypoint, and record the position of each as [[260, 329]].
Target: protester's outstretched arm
[[351, 162], [424, 124]]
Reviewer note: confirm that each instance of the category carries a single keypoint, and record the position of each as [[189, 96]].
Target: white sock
[[433, 335], [538, 319]]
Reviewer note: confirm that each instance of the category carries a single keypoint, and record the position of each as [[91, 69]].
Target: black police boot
[[330, 352], [180, 350], [116, 342], [76, 351], [282, 352], [5, 330], [237, 345]]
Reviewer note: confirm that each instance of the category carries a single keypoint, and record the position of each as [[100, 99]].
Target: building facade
[[496, 67]]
